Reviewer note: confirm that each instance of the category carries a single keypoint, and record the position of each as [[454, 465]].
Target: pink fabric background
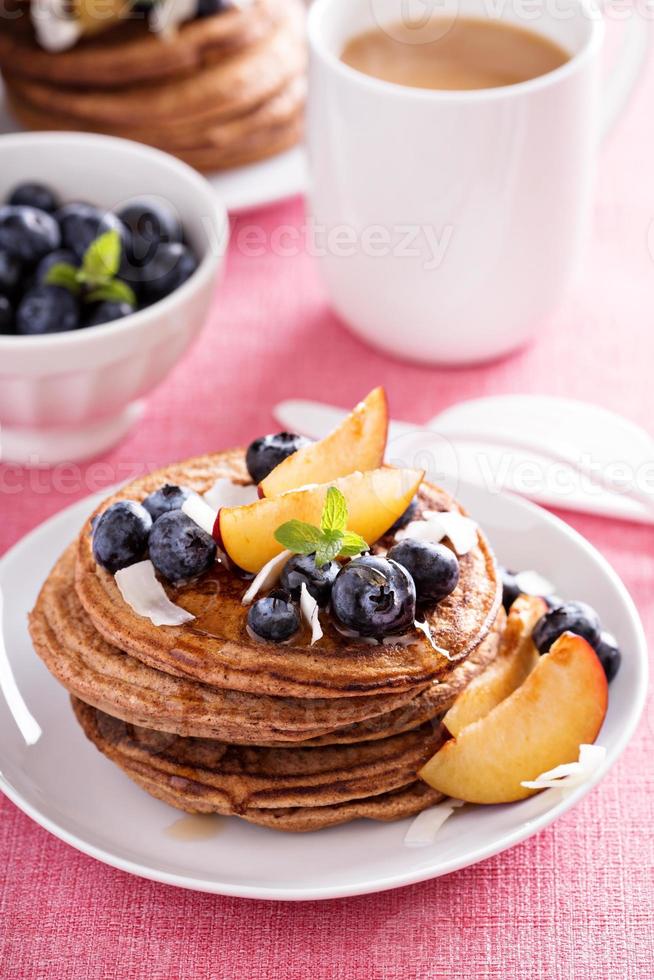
[[575, 901]]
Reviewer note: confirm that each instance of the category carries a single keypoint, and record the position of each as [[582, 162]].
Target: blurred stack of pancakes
[[217, 92], [293, 736]]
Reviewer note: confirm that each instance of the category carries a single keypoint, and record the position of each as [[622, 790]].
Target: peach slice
[[374, 500], [516, 659], [560, 706], [358, 443]]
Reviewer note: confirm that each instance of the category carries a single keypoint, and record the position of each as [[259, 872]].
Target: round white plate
[[242, 189], [63, 782]]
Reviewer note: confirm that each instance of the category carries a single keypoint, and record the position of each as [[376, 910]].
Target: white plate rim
[[384, 883]]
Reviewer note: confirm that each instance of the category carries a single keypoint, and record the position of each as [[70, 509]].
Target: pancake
[[216, 649], [216, 777]]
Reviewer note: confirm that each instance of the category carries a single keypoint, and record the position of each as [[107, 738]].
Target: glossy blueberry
[[179, 549], [27, 233], [274, 617], [433, 567], [6, 316], [207, 8], [408, 515], [59, 255], [34, 196], [47, 309], [166, 499], [319, 581], [172, 265], [11, 271], [106, 311], [374, 597], [510, 588], [149, 224], [571, 617], [120, 536], [265, 453], [82, 223], [609, 654]]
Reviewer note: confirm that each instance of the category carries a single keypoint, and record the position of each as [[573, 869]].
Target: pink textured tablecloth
[[573, 902]]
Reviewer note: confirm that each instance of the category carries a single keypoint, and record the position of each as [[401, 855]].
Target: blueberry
[[106, 311], [11, 271], [120, 536], [433, 567], [149, 225], [207, 8], [264, 454], [274, 618], [172, 265], [28, 234], [179, 549], [408, 515], [6, 316], [47, 309], [374, 597], [510, 588], [53, 258], [571, 617], [319, 581], [82, 223], [166, 499], [609, 654], [34, 196]]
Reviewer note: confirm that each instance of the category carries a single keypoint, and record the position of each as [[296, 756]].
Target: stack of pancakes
[[221, 91], [291, 736]]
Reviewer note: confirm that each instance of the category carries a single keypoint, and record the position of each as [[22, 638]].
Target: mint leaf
[[334, 514], [328, 549], [299, 537], [352, 544], [63, 274], [102, 257], [115, 290]]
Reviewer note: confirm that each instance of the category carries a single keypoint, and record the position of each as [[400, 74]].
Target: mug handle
[[622, 78]]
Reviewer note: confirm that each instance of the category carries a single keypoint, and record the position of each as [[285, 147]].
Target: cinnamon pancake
[[216, 649]]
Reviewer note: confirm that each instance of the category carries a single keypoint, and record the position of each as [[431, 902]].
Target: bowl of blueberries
[[109, 255]]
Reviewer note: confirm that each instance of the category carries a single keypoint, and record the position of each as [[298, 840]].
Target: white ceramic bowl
[[69, 395]]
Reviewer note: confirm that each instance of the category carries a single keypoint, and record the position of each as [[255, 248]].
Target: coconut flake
[[310, 613], [55, 29], [426, 825], [267, 577], [199, 511], [226, 493], [142, 590], [571, 774], [533, 583], [424, 628], [167, 15], [436, 525]]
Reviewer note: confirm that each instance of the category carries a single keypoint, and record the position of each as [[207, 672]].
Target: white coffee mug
[[452, 223]]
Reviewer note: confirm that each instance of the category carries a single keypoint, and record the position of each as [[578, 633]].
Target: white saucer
[[63, 783]]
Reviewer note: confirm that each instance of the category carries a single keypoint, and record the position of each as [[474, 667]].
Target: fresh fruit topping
[[47, 309], [120, 535], [269, 575], [107, 312], [34, 195], [166, 498], [374, 597], [571, 617], [358, 443], [149, 224], [81, 224], [374, 500], [226, 493], [274, 618], [60, 256], [516, 659], [207, 8], [267, 452], [609, 654], [510, 588], [6, 316], [330, 540], [436, 525], [10, 273], [408, 515], [433, 567], [301, 570], [172, 264], [144, 593], [571, 774], [560, 706], [28, 234], [179, 549]]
